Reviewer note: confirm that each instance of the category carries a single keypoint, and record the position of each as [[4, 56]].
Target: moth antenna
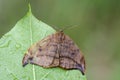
[[65, 27], [69, 27], [56, 28]]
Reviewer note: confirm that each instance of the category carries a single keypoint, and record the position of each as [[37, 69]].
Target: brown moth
[[56, 50]]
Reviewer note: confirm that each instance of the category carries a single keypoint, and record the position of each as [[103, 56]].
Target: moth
[[56, 50]]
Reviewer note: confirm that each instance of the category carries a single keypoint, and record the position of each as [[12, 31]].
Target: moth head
[[27, 58]]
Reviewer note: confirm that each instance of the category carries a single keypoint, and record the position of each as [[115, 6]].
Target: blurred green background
[[98, 35]]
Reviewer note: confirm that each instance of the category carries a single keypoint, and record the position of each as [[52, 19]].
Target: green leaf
[[15, 43]]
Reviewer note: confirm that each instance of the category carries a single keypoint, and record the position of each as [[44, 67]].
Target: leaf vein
[[31, 41]]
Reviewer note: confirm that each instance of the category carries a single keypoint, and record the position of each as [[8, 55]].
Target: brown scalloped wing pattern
[[56, 50]]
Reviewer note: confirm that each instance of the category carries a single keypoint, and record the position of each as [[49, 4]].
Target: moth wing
[[71, 57], [45, 53]]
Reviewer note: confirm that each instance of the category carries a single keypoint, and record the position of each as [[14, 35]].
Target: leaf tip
[[29, 6]]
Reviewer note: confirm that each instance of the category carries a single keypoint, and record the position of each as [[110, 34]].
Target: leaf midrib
[[31, 42]]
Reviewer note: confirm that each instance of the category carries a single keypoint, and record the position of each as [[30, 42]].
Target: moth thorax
[[60, 36]]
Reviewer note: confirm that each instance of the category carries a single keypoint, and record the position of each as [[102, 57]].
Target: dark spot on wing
[[40, 49], [72, 54], [31, 58]]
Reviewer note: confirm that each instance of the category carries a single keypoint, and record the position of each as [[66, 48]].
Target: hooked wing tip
[[82, 73], [79, 67], [24, 64], [25, 60]]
